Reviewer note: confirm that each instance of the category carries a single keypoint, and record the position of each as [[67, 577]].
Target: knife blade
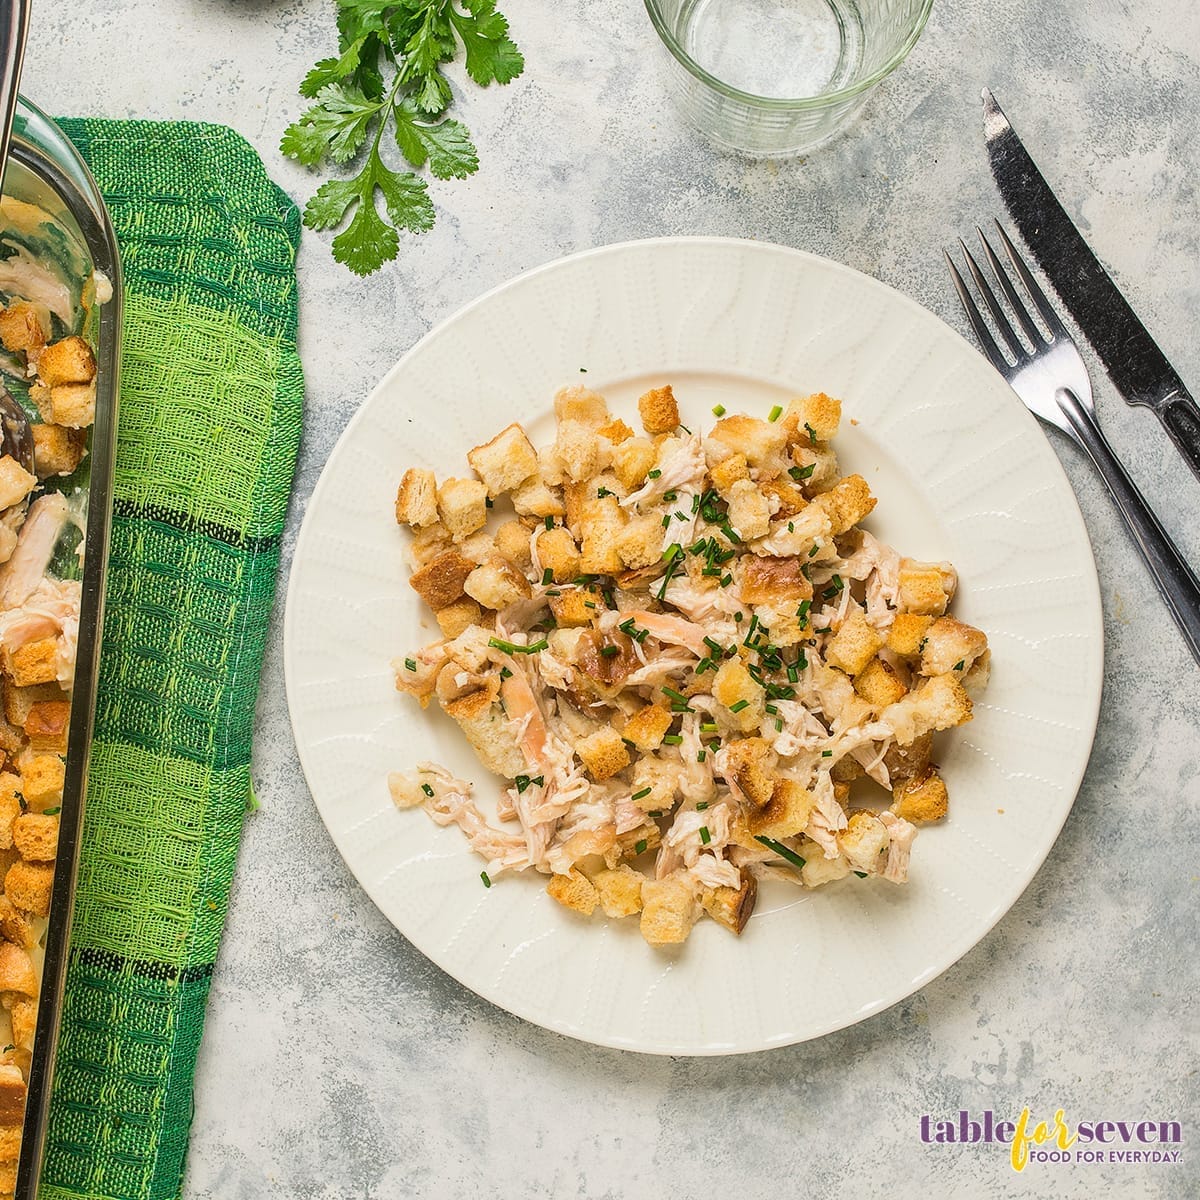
[[1134, 363]]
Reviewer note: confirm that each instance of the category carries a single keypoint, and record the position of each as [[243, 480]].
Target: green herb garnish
[[410, 664], [639, 847], [427, 789], [672, 739], [734, 708], [783, 852], [705, 836], [775, 413], [718, 410], [639, 795], [486, 881]]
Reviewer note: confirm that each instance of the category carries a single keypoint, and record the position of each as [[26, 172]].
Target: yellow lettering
[[1066, 1139], [1020, 1142], [1041, 1134]]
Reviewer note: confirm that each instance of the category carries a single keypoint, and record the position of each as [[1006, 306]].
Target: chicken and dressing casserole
[[680, 651]]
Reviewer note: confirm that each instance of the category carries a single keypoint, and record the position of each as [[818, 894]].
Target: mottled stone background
[[338, 1062]]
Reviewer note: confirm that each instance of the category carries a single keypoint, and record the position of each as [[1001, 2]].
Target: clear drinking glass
[[777, 77]]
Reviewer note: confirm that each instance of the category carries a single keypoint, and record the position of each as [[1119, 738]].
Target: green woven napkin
[[211, 399]]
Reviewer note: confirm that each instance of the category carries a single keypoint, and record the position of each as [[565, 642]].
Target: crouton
[[938, 703], [558, 553], [463, 505], [33, 663], [24, 1024], [10, 807], [57, 450], [479, 547], [749, 512], [416, 499], [575, 607], [505, 462], [12, 1096], [619, 890], [908, 761], [647, 727], [8, 1171], [15, 482], [574, 891], [10, 1142], [616, 432], [923, 798], [16, 971], [786, 812], [655, 782], [783, 623], [512, 540], [15, 926], [42, 778], [67, 361], [427, 544], [632, 459], [440, 582], [728, 472], [951, 645], [789, 499], [774, 581], [601, 526], [457, 617], [640, 543], [907, 634], [669, 911], [731, 906], [488, 729], [742, 701], [35, 835], [760, 442], [878, 684], [846, 503], [854, 645], [578, 451], [926, 588], [819, 870], [70, 404], [863, 840], [21, 328], [747, 766], [28, 886], [602, 753], [976, 677], [659, 410], [812, 419], [18, 701], [582, 405], [641, 839], [818, 467], [496, 583], [534, 498]]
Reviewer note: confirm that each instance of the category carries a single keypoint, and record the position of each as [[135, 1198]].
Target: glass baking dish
[[59, 281]]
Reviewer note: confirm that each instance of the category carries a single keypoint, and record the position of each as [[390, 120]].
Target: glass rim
[[654, 9]]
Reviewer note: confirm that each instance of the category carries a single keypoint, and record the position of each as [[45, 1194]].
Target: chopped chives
[[792, 674], [718, 410], [812, 433], [802, 611], [547, 576], [672, 552], [772, 711], [782, 851], [778, 724], [549, 522], [801, 662], [655, 474], [666, 520], [726, 580], [589, 604], [410, 664], [958, 666], [669, 496], [679, 696], [639, 847], [791, 527], [702, 806], [505, 673], [699, 755], [641, 794], [540, 644], [861, 874], [734, 708], [775, 413], [656, 812], [826, 753], [488, 502], [522, 782], [672, 739], [799, 474], [601, 492], [486, 881], [705, 836], [708, 727], [610, 651], [427, 789], [813, 550]]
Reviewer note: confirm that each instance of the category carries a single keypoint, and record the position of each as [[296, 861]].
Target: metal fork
[[1051, 378]]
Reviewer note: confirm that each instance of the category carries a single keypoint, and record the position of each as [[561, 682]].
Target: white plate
[[962, 472]]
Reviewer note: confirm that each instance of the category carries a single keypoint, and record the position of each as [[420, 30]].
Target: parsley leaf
[[446, 146]]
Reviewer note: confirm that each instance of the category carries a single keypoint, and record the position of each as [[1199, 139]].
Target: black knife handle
[[1182, 420]]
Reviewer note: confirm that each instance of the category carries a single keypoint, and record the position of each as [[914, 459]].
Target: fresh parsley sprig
[[389, 76]]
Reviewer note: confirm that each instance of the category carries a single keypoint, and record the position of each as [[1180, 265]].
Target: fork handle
[[1176, 582]]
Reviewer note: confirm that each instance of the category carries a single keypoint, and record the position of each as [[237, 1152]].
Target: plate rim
[[1089, 579]]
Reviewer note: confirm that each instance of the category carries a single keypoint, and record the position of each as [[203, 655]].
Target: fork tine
[[976, 317], [1015, 303], [1044, 307], [989, 297]]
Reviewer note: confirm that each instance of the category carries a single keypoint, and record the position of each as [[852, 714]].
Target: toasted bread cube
[[748, 763], [70, 404], [21, 328], [619, 890], [578, 450], [463, 505], [47, 725], [601, 525], [659, 410], [489, 731], [788, 496], [640, 543], [728, 472], [602, 753], [582, 405], [819, 870], [574, 607], [10, 808], [669, 910], [926, 588], [907, 634], [749, 512], [33, 663], [67, 361], [440, 582], [12, 1101], [774, 581], [923, 798], [416, 499], [822, 460], [24, 1025], [535, 498], [976, 677], [908, 761], [854, 645], [512, 540], [17, 704], [938, 703], [731, 906], [36, 837], [458, 617], [647, 727], [28, 886], [878, 684], [15, 482], [863, 840], [743, 702], [57, 450], [632, 459], [479, 547], [760, 442], [427, 544], [783, 623], [10, 1135], [42, 778], [16, 971], [846, 503], [951, 645], [574, 891], [785, 814], [558, 553], [812, 419], [15, 926], [616, 431], [505, 462], [496, 583], [655, 782]]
